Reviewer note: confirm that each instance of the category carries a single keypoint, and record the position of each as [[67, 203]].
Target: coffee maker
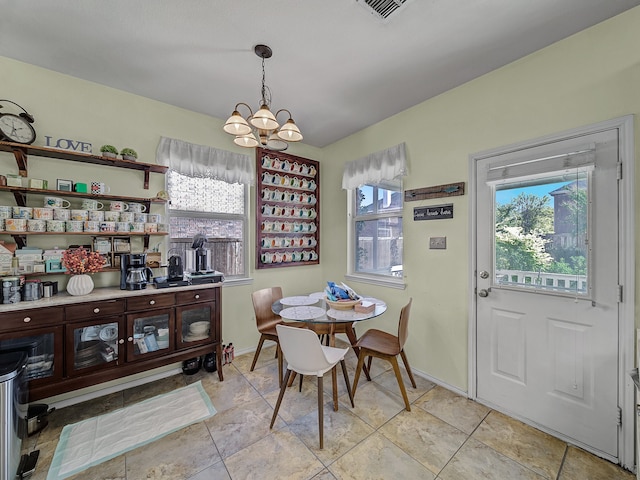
[[134, 273]]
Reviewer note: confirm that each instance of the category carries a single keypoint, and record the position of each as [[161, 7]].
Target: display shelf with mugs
[[80, 211], [287, 210]]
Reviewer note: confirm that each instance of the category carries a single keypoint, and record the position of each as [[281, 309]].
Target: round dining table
[[314, 310]]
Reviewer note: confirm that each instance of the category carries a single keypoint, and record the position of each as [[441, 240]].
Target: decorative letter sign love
[[68, 144]]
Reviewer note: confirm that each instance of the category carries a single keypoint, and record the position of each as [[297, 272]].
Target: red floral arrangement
[[80, 260]]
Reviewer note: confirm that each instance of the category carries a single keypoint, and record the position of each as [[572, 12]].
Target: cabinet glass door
[[194, 324], [44, 350], [150, 333], [93, 345]]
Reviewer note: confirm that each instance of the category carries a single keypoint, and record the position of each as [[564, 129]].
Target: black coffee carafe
[[209, 362], [134, 274]]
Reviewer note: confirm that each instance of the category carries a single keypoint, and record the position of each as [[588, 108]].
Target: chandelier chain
[[266, 91]]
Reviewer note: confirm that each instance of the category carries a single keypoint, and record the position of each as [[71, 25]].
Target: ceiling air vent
[[382, 9]]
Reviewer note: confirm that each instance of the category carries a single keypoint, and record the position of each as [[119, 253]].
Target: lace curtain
[[375, 168], [200, 161]]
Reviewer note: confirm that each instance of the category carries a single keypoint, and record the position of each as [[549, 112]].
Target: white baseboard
[[83, 397]]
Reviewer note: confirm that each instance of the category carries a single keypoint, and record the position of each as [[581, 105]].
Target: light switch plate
[[437, 243]]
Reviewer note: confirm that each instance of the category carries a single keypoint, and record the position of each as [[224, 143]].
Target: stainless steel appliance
[[200, 258], [13, 411], [134, 273]]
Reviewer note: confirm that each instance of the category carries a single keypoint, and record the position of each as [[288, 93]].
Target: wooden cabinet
[[92, 336], [287, 210], [45, 347], [81, 342], [150, 326]]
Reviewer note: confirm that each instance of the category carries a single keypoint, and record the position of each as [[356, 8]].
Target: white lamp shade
[[276, 143], [264, 119], [290, 132], [236, 125], [248, 141]]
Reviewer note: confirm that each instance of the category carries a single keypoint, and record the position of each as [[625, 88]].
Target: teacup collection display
[[288, 210], [56, 215]]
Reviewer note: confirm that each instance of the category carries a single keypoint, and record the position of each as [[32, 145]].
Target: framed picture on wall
[[64, 185]]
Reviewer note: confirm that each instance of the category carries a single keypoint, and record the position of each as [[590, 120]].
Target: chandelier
[[262, 128]]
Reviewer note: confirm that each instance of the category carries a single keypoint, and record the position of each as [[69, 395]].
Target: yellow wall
[[587, 78], [66, 107]]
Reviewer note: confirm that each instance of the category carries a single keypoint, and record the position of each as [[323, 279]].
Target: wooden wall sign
[[439, 191], [435, 212]]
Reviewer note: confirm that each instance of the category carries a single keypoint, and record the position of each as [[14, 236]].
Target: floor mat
[[93, 441]]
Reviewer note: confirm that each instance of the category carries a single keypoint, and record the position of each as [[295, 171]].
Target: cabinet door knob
[[121, 341], [197, 296], [26, 319], [130, 339], [96, 310], [152, 302]]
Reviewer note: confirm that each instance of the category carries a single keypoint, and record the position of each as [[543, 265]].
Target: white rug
[[93, 441]]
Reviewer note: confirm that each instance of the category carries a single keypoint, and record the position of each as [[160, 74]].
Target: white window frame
[[238, 279], [352, 218], [203, 161]]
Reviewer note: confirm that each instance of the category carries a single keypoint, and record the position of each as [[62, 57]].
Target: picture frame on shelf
[[64, 185]]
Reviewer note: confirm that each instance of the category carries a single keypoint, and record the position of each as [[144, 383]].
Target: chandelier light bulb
[[236, 125], [264, 119], [248, 141], [290, 132]]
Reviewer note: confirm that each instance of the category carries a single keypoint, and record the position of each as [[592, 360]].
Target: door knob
[[483, 293]]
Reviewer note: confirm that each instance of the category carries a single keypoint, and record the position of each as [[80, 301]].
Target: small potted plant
[[109, 151], [129, 154]]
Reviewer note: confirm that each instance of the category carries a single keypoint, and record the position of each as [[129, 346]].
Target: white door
[[547, 286]]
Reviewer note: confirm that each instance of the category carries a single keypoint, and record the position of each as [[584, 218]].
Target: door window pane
[[541, 233]]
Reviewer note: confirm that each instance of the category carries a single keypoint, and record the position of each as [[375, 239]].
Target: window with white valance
[[375, 206], [202, 161], [209, 195], [376, 168]]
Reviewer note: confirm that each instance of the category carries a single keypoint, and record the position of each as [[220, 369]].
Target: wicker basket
[[343, 304]]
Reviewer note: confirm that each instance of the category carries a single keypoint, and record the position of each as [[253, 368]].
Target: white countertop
[[98, 294]]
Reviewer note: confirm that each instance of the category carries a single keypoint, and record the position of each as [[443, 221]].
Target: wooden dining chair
[[266, 322], [376, 343], [307, 356]]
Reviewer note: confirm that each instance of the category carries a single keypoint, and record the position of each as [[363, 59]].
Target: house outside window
[[215, 209], [377, 228]]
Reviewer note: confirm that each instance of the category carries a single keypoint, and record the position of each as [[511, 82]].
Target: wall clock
[[17, 128]]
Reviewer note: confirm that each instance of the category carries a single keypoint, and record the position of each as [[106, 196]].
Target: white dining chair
[[305, 355]]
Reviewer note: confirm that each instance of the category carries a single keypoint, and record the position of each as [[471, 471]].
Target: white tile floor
[[445, 436]]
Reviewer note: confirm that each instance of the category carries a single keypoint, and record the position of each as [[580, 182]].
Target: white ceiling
[[336, 67]]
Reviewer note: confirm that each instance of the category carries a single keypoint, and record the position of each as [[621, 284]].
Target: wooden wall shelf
[[21, 153]]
